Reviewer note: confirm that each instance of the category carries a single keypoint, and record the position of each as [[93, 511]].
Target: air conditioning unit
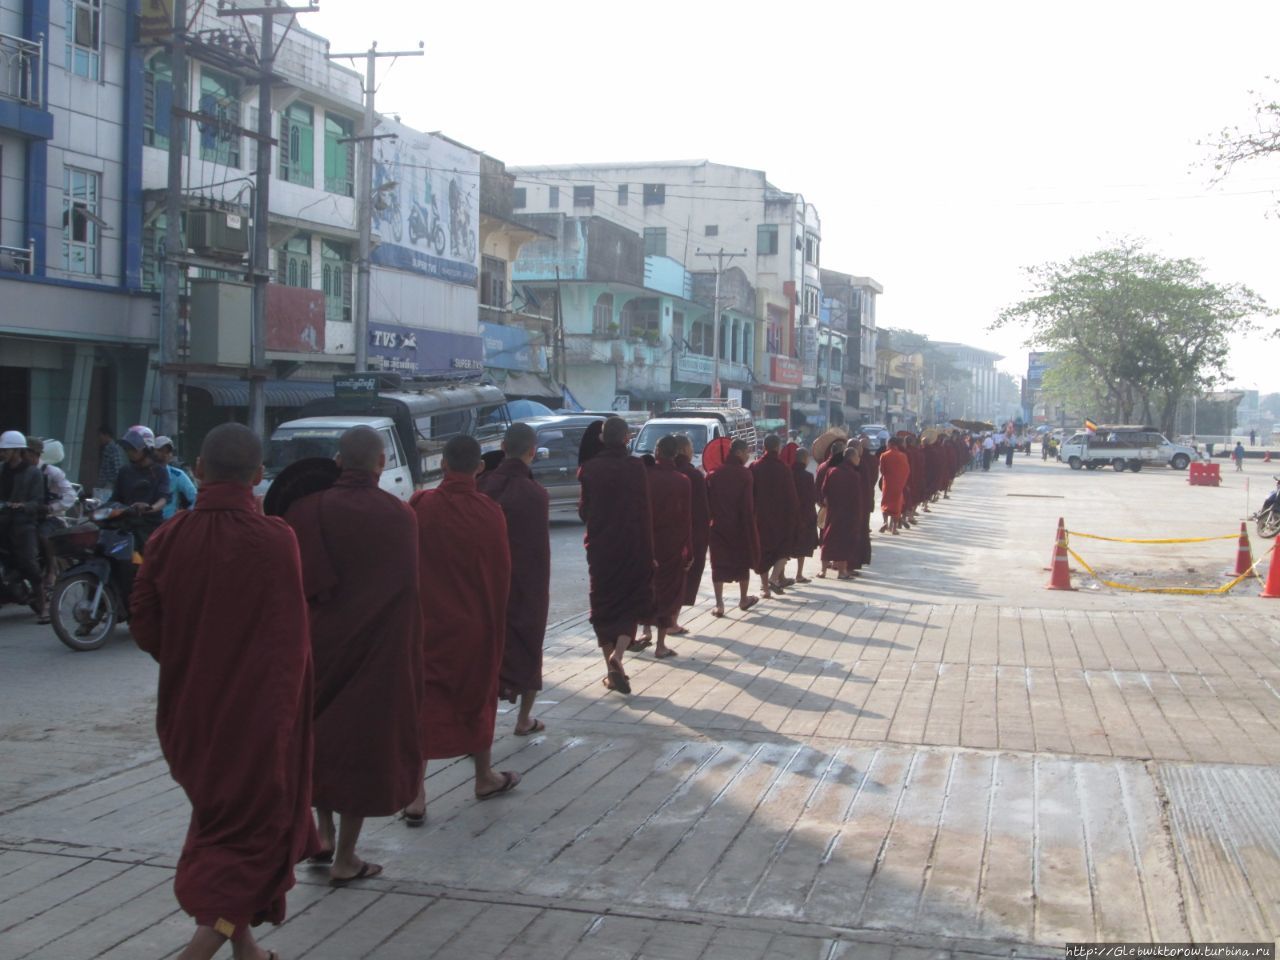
[[213, 233]]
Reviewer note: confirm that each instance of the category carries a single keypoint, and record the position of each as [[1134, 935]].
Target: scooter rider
[[142, 484], [60, 497], [22, 491]]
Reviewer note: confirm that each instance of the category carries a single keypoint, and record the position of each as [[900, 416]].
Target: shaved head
[[519, 440], [668, 447], [615, 432], [231, 451], [462, 455], [802, 456], [738, 447], [360, 448], [772, 443], [684, 446]]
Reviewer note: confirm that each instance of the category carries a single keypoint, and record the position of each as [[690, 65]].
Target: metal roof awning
[[520, 383], [647, 396], [226, 392]]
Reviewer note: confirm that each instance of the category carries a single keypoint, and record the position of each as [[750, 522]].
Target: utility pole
[[364, 192], [719, 256], [267, 49], [174, 242]]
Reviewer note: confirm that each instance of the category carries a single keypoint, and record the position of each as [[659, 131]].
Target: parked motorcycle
[[424, 224], [1268, 518], [91, 596]]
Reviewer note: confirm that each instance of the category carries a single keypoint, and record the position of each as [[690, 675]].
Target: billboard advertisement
[[426, 205], [1037, 365], [413, 350]]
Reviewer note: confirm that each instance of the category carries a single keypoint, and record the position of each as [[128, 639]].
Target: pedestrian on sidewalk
[[835, 453], [1253, 438], [614, 504], [669, 502], [1238, 456], [842, 494], [699, 524], [805, 538], [359, 553], [734, 541], [774, 503], [894, 470], [988, 451], [525, 505], [464, 569], [219, 604]]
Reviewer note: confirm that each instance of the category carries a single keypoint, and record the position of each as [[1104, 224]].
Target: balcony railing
[[18, 259], [20, 70], [697, 368]]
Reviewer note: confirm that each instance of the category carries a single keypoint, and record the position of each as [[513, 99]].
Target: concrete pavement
[[940, 759]]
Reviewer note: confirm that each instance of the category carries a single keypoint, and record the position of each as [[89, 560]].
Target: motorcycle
[[424, 224], [14, 587], [91, 595], [1268, 518]]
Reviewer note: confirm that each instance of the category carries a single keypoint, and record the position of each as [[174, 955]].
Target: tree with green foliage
[[1135, 331]]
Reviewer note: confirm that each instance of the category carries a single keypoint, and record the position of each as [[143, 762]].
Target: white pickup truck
[[1124, 448]]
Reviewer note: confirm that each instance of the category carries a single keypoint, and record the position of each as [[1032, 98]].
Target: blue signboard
[[512, 348], [412, 350]]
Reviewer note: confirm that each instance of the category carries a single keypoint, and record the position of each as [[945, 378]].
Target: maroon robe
[[700, 528], [933, 483], [842, 493], [734, 541], [869, 469], [916, 479], [774, 494], [218, 603], [360, 572], [465, 569], [669, 500], [614, 504], [805, 537], [524, 502]]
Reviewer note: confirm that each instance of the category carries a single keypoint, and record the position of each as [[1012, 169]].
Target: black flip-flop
[[617, 680], [509, 782], [538, 727], [413, 819], [367, 872]]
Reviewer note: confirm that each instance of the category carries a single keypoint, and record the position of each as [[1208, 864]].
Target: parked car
[[875, 434], [701, 421]]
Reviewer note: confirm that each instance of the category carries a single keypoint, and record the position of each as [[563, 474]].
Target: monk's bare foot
[[677, 631], [495, 784], [641, 643], [351, 872], [663, 651], [748, 602], [804, 579], [718, 611], [533, 726]]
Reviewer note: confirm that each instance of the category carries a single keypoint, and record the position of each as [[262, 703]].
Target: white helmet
[[53, 452], [13, 440]]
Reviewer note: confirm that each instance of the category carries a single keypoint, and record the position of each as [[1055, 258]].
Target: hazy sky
[[946, 145]]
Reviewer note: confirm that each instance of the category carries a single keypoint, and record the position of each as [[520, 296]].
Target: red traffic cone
[[1061, 535], [1244, 556], [1271, 589], [1060, 579]]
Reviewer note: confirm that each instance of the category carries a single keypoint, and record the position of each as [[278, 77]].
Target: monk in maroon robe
[[669, 505], [525, 504], [835, 454], [614, 504], [465, 568], [842, 493], [805, 537], [219, 604], [869, 469], [700, 523], [360, 572], [775, 508], [734, 540]]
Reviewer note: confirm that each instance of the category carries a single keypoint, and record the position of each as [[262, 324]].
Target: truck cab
[[701, 421]]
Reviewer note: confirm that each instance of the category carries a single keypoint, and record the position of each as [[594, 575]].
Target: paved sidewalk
[[847, 771]]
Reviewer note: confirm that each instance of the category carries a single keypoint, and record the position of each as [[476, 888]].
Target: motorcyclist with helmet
[[60, 497], [142, 485], [22, 493]]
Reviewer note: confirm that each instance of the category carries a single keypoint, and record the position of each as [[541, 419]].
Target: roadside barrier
[[1245, 565]]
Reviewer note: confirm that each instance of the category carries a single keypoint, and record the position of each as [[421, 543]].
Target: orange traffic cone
[[1271, 589], [1060, 579], [1244, 556], [1061, 535]]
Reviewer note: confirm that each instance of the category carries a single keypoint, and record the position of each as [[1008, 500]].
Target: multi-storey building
[[980, 398], [689, 211], [75, 329], [856, 299]]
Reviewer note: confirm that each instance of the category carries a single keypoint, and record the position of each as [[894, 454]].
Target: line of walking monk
[[319, 659]]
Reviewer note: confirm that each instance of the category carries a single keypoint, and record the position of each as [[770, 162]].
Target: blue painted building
[[75, 327]]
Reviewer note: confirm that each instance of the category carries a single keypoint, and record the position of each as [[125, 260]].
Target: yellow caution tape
[[1094, 536], [1184, 591]]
